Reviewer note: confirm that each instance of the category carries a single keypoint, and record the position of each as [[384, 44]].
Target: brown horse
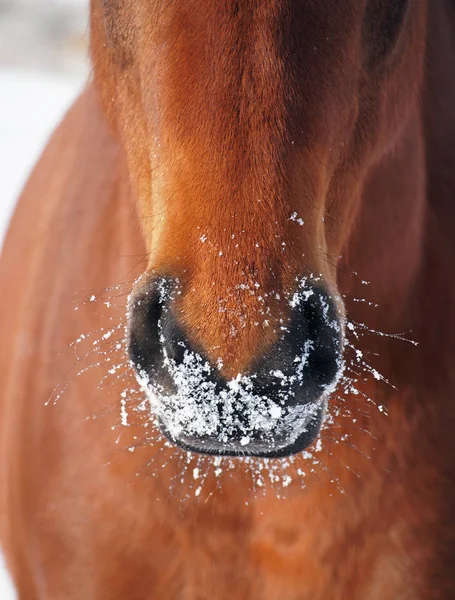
[[257, 162]]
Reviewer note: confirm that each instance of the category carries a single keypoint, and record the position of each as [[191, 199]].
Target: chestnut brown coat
[[222, 119]]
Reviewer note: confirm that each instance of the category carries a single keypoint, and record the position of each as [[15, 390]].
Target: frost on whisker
[[194, 404], [206, 410], [294, 217], [102, 350]]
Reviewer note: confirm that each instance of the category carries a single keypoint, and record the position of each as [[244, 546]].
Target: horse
[[226, 315]]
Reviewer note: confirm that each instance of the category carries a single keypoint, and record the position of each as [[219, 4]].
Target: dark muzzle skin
[[274, 410]]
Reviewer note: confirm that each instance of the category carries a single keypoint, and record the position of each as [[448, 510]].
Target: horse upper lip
[[249, 442]]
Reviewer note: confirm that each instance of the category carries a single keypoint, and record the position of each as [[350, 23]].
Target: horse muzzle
[[274, 410]]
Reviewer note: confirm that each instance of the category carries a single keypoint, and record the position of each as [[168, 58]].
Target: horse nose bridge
[[234, 324], [231, 326]]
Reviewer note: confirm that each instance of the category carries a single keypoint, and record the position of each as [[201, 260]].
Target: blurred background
[[43, 66]]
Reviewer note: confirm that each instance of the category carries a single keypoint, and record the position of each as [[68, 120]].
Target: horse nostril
[[306, 360], [150, 327]]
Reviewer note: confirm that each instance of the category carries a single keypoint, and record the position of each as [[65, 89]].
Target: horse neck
[[403, 242], [437, 288]]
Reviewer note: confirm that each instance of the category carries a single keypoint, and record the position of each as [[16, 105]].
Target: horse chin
[[287, 439]]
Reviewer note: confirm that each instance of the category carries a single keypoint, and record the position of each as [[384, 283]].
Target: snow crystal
[[294, 217]]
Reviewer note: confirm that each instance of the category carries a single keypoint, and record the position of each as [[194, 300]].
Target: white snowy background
[[43, 66]]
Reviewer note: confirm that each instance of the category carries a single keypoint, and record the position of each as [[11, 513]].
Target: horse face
[[249, 128]]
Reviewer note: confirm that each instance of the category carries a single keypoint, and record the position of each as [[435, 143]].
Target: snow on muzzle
[[275, 410]]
